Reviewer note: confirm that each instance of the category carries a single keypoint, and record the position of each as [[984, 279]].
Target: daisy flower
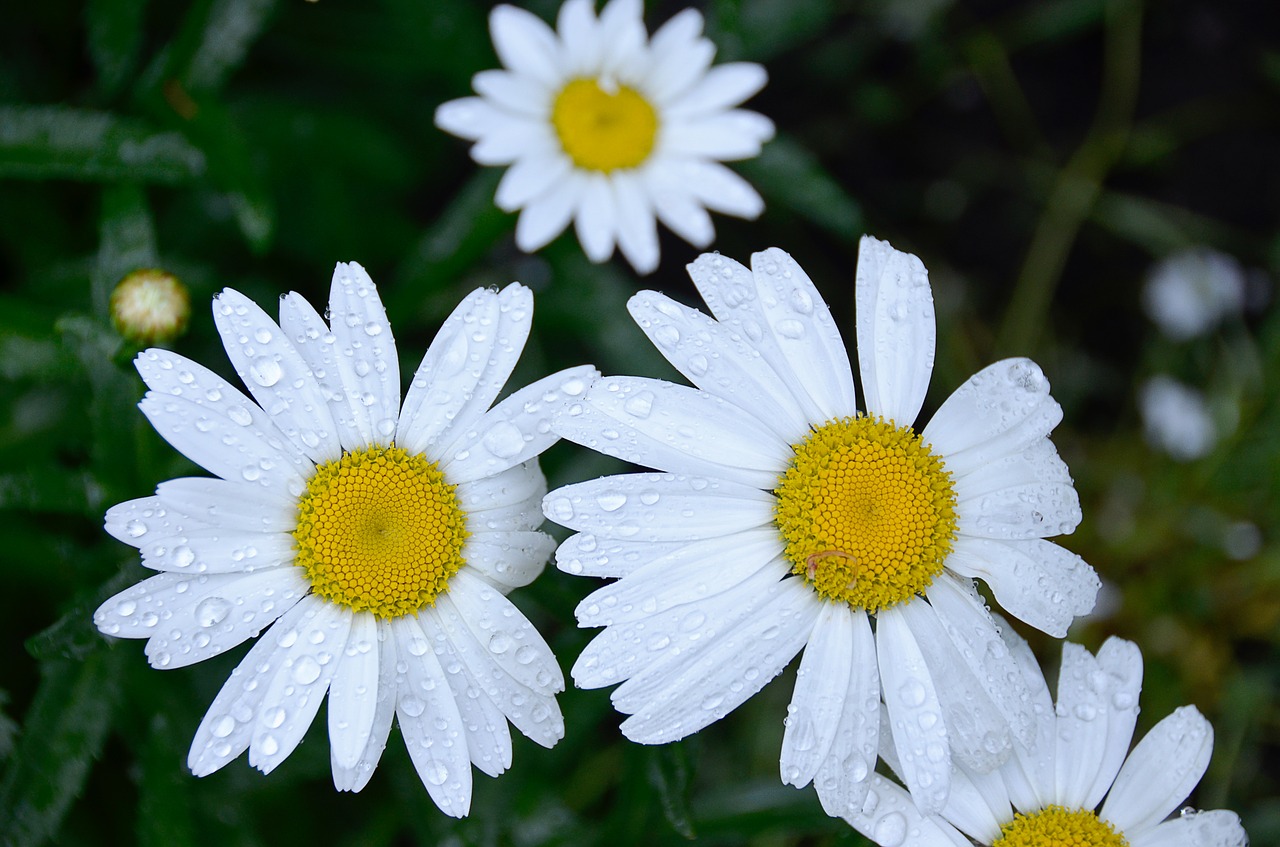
[[787, 519], [607, 128], [1050, 794], [376, 539]]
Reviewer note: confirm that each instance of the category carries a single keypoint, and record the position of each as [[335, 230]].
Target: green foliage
[[1039, 158]]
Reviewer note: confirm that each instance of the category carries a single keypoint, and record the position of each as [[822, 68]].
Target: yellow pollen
[[604, 130], [1056, 826], [867, 512], [380, 531]]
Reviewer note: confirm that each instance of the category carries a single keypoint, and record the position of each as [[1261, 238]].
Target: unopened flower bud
[[150, 306]]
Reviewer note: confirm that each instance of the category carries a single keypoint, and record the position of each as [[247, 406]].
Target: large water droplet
[[499, 642], [611, 501], [912, 692], [890, 830], [212, 611], [412, 706], [266, 371], [639, 404], [135, 529], [306, 670], [504, 440]]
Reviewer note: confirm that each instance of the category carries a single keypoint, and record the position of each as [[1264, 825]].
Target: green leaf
[[64, 731], [56, 142], [126, 241], [214, 41], [29, 357], [50, 489], [164, 805], [669, 775], [763, 29], [113, 393], [114, 30], [73, 636], [791, 177]]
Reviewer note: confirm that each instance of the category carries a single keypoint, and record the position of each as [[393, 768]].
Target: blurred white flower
[[608, 128], [786, 519], [1078, 783], [376, 539], [1188, 293], [1176, 418]]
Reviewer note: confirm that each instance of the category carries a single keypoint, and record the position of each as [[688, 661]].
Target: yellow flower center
[[604, 130], [380, 531], [1055, 826], [867, 512]]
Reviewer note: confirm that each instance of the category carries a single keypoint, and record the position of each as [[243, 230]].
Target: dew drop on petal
[[266, 371], [499, 642], [890, 830], [504, 440], [212, 611]]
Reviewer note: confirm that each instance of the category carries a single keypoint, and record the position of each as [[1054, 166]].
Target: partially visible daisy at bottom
[[376, 539], [1053, 793], [785, 519]]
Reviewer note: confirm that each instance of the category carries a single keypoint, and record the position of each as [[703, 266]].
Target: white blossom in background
[[784, 519], [1190, 292], [376, 540], [1078, 783], [612, 130], [1176, 419]]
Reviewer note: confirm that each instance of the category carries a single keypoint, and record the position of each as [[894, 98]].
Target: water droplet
[[269, 745], [499, 642], [306, 670], [240, 415], [435, 773], [212, 611], [274, 717], [790, 328], [412, 706], [666, 336], [640, 404], [125, 608], [135, 529], [698, 364], [266, 371], [183, 557], [262, 334], [373, 328], [890, 830], [611, 501], [504, 440], [912, 693], [223, 726]]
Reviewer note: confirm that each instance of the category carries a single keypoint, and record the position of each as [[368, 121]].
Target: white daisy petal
[[655, 649], [969, 807], [895, 814], [528, 178], [641, 507], [356, 777], [513, 643], [304, 666], [354, 692], [622, 28], [588, 554], [525, 44], [579, 36], [915, 713], [1160, 772], [213, 551], [896, 332], [720, 189], [512, 138], [488, 738], [1033, 483], [1002, 409], [548, 215], [516, 430], [523, 516], [637, 229], [734, 667], [820, 695], [727, 136], [227, 727], [723, 86], [534, 713], [509, 560], [841, 780], [661, 425], [318, 346], [1029, 777], [465, 367], [274, 372], [678, 57], [1081, 736], [430, 723], [512, 487], [1218, 828], [596, 218], [718, 361], [366, 355], [512, 92], [472, 118], [231, 506], [805, 331], [687, 575], [1121, 661], [978, 733], [195, 606], [970, 627], [678, 209], [1034, 580]]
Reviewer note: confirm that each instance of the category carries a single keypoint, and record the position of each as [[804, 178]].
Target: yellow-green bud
[[150, 306]]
